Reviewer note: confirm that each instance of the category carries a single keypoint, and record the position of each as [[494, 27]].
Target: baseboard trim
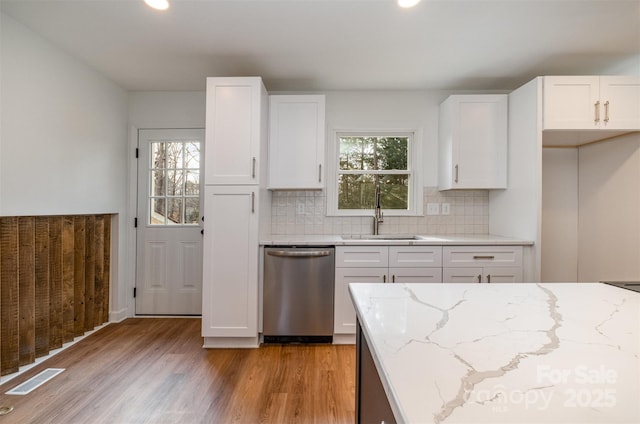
[[231, 342], [120, 315], [344, 339]]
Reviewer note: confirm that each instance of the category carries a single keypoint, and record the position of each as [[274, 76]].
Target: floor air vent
[[35, 382]]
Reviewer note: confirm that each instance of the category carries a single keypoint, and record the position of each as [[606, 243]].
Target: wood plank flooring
[[156, 371]]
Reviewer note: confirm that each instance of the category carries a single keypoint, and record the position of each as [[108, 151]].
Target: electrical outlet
[[300, 208], [433, 208], [446, 210]]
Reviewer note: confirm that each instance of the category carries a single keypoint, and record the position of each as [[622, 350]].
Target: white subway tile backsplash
[[469, 214]]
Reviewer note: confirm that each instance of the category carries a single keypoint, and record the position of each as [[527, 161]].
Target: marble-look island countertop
[[504, 353]]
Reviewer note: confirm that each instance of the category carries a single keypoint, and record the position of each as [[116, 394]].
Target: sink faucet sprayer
[[377, 217]]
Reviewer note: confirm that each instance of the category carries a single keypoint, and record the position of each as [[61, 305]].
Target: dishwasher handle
[[299, 253]]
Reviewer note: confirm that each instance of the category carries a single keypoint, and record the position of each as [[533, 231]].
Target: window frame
[[414, 168]]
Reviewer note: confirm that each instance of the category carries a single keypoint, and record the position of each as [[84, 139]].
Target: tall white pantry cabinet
[[236, 208]]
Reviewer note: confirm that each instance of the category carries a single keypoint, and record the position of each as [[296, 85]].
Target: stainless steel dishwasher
[[298, 294]]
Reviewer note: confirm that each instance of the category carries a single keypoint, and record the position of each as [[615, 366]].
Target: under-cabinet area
[[419, 264]]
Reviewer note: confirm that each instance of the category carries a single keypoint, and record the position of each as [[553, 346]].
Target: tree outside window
[[370, 160], [175, 183]]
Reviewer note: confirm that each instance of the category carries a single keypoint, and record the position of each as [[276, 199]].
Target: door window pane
[[174, 189]]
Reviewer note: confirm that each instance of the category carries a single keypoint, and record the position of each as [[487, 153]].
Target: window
[[175, 183], [364, 160]]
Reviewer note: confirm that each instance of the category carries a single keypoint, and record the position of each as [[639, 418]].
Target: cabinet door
[[571, 102], [461, 275], [296, 142], [620, 98], [502, 275], [230, 273], [415, 275], [344, 315], [473, 142], [234, 120]]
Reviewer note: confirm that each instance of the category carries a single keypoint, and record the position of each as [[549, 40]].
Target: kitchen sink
[[380, 237]]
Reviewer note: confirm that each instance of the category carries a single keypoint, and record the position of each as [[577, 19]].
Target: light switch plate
[[446, 209], [433, 208]]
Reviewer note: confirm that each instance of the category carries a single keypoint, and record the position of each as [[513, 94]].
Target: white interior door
[[169, 239]]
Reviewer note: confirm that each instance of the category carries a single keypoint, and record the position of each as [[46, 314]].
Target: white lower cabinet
[[230, 292], [344, 317], [482, 264], [380, 264]]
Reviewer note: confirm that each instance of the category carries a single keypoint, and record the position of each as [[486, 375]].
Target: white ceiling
[[308, 45]]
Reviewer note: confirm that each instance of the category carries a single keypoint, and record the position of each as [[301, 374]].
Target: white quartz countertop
[[505, 353], [359, 240]]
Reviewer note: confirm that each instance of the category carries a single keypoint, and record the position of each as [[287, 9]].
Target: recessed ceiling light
[[158, 4], [408, 3]]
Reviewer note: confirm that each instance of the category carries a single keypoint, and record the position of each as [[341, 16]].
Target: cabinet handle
[[597, 107], [456, 178], [253, 202], [384, 278], [490, 257], [606, 111], [320, 173], [253, 168], [489, 278], [479, 278], [393, 278]]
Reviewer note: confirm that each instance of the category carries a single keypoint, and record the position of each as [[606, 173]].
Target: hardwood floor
[[156, 371]]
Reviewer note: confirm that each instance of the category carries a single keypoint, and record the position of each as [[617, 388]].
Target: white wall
[[559, 215], [609, 210], [167, 109], [63, 137], [63, 131], [628, 66]]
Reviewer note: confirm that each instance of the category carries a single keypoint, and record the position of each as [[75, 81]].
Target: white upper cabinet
[[591, 102], [296, 141], [236, 112], [473, 142]]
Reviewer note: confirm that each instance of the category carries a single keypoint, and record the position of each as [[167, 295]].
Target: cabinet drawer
[[501, 274], [415, 275], [415, 256], [481, 256], [362, 257]]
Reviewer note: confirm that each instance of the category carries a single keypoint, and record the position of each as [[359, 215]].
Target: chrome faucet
[[377, 217]]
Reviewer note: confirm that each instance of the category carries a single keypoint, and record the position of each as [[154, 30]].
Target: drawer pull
[[483, 257]]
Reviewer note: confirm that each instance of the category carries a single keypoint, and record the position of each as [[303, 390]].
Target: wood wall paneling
[[106, 268], [98, 294], [68, 275], [54, 283], [79, 272], [42, 279], [27, 289], [9, 306], [89, 274]]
